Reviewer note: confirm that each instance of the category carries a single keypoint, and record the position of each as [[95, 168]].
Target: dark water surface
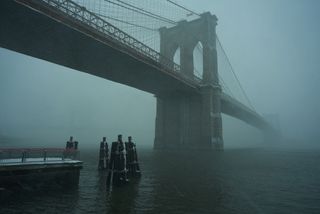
[[233, 181]]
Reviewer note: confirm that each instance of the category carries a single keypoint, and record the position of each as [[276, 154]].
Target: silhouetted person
[[103, 154], [132, 158], [71, 146], [69, 143], [117, 165]]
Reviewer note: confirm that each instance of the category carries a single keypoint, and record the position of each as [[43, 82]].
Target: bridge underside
[[233, 108], [69, 44], [191, 113], [183, 121]]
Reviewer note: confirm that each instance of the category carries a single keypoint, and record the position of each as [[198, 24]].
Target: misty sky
[[272, 44], [275, 50]]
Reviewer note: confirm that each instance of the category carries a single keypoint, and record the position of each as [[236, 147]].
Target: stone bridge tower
[[186, 120]]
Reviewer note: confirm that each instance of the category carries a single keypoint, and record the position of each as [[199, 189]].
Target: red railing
[[23, 155]]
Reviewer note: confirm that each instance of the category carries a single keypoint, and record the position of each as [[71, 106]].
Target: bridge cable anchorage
[[233, 72]]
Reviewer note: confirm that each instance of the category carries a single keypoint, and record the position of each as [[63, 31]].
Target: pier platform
[[20, 167]]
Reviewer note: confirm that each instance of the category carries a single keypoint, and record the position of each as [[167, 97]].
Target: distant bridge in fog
[[96, 37]]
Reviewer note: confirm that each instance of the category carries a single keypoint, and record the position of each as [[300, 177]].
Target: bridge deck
[[58, 38], [65, 41]]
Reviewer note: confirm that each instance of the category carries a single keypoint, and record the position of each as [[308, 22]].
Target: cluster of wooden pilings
[[121, 161]]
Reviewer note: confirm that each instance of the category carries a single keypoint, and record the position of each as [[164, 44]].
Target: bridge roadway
[[53, 36]]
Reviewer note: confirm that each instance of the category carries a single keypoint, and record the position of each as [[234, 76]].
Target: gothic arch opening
[[176, 56], [198, 60]]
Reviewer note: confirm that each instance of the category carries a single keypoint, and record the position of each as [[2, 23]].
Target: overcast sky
[[275, 50], [272, 44]]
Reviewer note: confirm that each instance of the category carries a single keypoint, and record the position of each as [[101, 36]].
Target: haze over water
[[234, 181], [272, 45], [274, 48]]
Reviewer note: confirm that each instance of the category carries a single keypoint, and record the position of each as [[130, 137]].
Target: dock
[[20, 167]]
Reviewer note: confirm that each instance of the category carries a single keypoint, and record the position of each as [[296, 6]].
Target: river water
[[233, 181]]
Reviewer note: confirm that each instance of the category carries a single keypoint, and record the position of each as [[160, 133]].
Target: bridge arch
[[185, 113], [182, 118], [198, 60], [177, 56], [188, 36]]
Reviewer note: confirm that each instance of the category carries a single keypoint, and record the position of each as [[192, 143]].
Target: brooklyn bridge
[[177, 57]]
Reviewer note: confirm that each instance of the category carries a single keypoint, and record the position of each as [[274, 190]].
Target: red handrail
[[36, 150], [43, 153]]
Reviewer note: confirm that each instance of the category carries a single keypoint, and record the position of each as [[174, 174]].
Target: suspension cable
[[150, 13], [140, 11], [228, 60], [125, 22], [184, 8]]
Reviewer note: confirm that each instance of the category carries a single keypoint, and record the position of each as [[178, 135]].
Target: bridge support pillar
[[189, 121], [184, 119], [211, 116]]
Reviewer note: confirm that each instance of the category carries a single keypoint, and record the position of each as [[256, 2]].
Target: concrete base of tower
[[217, 144]]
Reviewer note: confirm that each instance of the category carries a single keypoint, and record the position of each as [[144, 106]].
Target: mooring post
[[103, 154]]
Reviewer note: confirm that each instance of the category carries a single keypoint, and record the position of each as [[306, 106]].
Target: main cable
[[182, 7], [152, 14], [228, 60], [125, 22], [142, 12]]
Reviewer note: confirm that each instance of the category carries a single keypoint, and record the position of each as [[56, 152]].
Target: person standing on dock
[[117, 165], [103, 154], [71, 148], [69, 143], [132, 158]]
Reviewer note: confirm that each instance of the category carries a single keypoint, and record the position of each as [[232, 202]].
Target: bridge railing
[[84, 16], [24, 155]]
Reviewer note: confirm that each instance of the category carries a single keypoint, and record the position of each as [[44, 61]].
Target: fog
[[47, 103], [273, 46]]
